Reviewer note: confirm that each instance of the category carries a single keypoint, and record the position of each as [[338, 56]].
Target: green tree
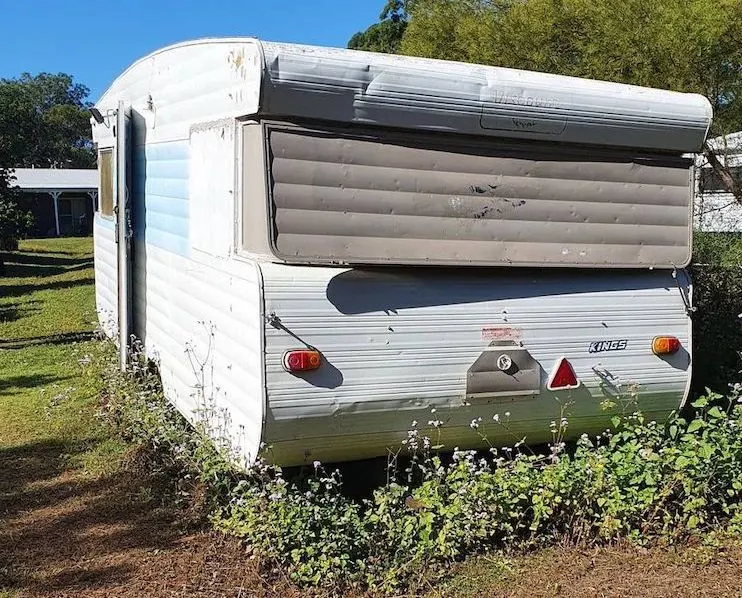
[[44, 122], [14, 221], [683, 45], [462, 30], [386, 35]]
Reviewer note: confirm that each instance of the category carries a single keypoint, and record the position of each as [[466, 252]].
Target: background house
[[715, 209], [62, 200]]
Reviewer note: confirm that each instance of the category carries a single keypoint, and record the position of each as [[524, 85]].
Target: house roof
[[56, 179], [730, 142]]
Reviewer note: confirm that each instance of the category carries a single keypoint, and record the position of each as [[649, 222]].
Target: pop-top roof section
[[209, 79], [407, 92]]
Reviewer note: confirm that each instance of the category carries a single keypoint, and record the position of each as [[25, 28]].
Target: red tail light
[[562, 376], [301, 360], [665, 345]]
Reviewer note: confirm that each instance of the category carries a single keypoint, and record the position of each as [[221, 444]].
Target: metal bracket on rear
[[504, 369]]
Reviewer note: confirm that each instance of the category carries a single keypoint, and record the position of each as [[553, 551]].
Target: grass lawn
[[77, 518], [47, 317]]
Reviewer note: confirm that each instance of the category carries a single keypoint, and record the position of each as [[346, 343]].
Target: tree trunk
[[724, 173]]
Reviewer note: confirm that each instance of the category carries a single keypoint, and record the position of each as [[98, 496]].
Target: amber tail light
[[665, 345]]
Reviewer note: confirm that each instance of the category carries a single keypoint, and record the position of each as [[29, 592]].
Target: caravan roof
[[274, 79]]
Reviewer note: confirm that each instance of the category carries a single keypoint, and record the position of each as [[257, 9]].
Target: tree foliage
[[14, 221], [386, 35], [44, 122], [462, 30]]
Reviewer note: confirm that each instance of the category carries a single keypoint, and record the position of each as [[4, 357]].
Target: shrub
[[640, 481], [717, 249], [717, 327], [14, 221], [137, 411], [717, 294]]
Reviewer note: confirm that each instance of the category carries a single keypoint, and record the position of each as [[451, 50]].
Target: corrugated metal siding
[[178, 297], [164, 217], [374, 197], [198, 314], [106, 273], [186, 301], [208, 79], [398, 344], [193, 82]]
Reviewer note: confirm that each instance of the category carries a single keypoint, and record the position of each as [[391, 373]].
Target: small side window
[[105, 194]]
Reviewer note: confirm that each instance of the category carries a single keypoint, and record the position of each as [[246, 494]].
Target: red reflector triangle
[[562, 376]]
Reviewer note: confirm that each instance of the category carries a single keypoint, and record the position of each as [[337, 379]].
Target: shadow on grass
[[24, 271], [32, 259], [9, 313], [33, 381], [25, 265], [30, 464], [20, 290], [36, 250], [51, 339], [14, 311]]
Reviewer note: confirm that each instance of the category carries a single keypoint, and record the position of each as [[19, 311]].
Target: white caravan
[[329, 244]]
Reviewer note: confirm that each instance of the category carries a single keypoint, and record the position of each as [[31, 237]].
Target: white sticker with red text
[[500, 333]]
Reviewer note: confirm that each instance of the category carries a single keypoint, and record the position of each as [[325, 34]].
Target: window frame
[[102, 204]]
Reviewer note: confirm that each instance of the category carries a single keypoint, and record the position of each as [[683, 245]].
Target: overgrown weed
[[640, 482]]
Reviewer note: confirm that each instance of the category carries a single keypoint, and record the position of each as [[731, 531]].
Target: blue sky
[[95, 41]]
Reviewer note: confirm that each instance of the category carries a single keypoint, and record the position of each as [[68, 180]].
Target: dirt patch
[[64, 535], [610, 573]]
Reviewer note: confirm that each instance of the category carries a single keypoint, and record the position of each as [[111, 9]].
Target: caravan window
[[105, 193]]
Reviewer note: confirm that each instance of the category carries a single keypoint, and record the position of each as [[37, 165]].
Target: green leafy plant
[[640, 481], [15, 222]]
